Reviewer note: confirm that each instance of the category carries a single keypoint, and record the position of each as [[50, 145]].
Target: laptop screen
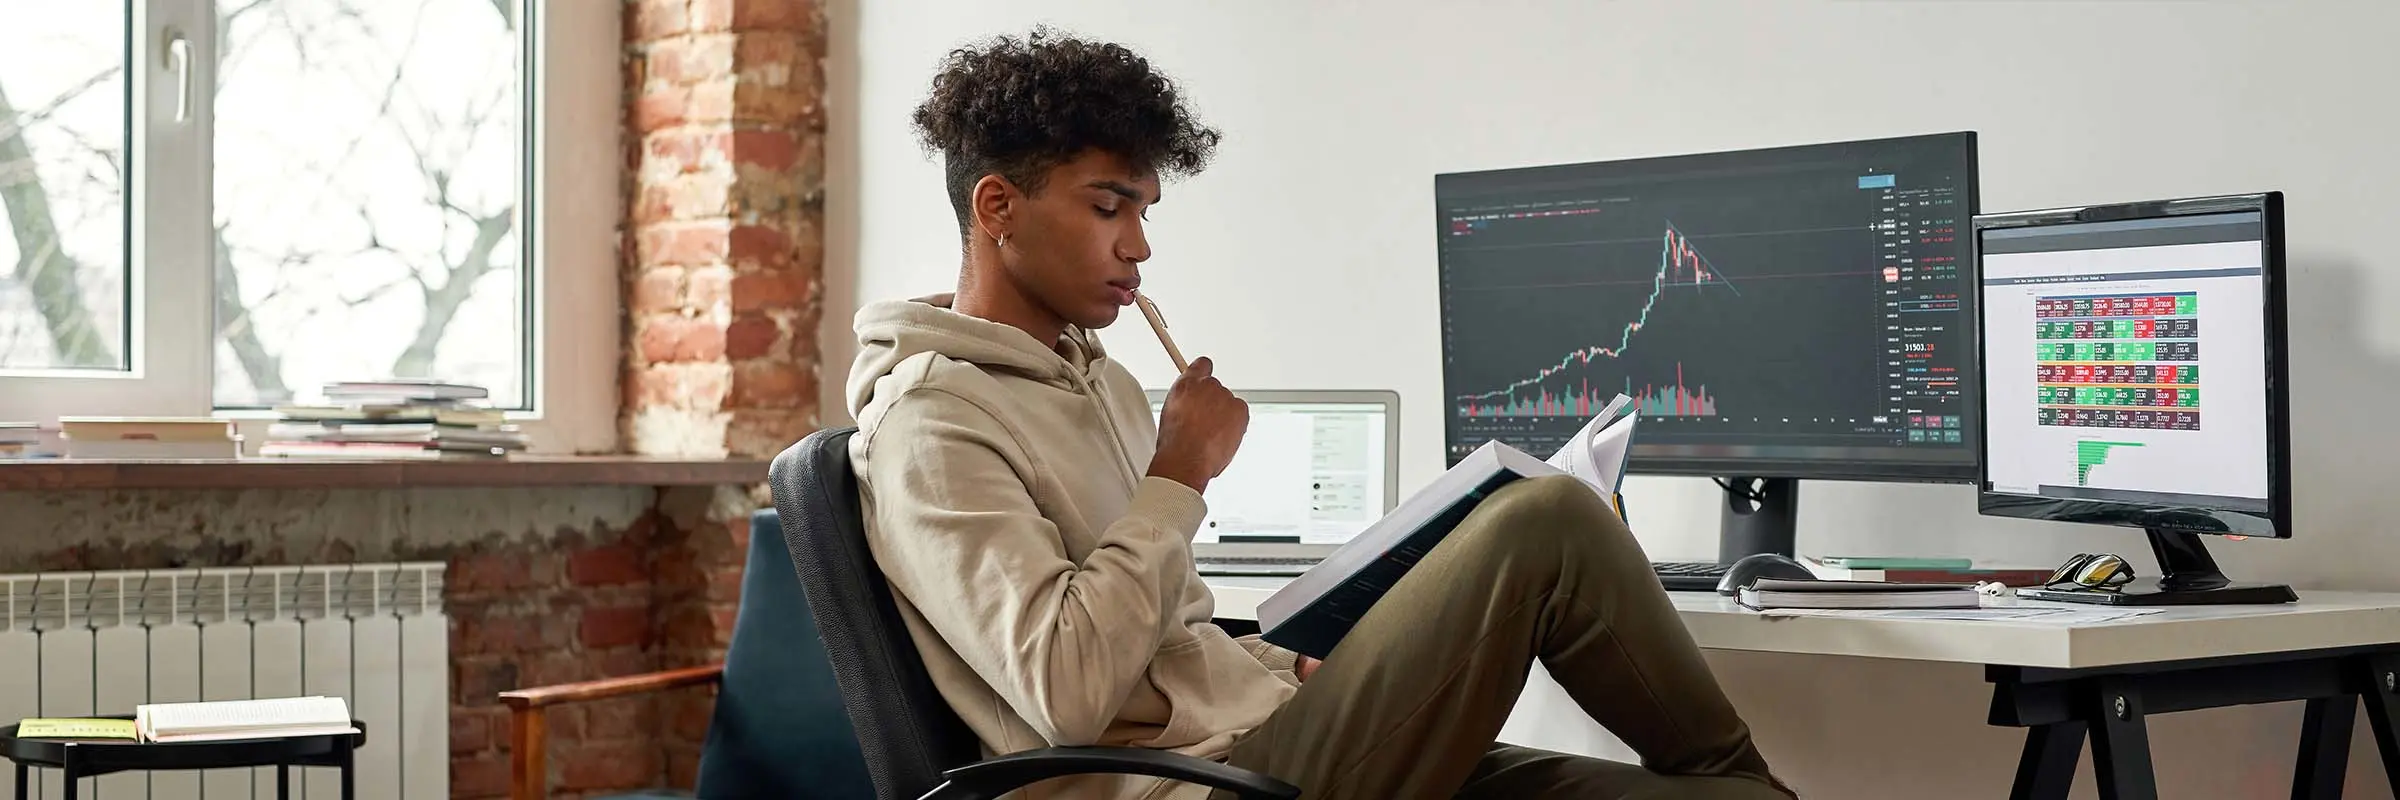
[[1307, 472]]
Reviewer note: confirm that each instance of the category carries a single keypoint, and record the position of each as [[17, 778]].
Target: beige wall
[[1337, 114]]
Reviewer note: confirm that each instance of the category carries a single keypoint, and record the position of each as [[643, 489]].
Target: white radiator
[[83, 643]]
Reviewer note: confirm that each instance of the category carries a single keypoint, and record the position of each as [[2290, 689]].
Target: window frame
[[570, 202]]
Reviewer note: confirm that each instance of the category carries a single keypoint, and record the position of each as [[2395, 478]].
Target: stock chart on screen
[[1805, 303]]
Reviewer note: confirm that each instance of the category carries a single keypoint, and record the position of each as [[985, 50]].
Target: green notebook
[[75, 728]]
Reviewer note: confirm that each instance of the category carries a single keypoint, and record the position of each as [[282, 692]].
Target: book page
[[1597, 452], [168, 719]]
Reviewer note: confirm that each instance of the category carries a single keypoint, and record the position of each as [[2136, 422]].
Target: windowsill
[[299, 473]]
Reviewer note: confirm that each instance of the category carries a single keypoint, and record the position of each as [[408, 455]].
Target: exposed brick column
[[723, 249]]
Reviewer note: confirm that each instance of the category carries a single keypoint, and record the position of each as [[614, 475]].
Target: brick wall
[[722, 258], [724, 138], [544, 586], [577, 606], [721, 254]]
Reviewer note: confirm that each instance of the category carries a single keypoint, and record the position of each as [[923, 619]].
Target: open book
[[242, 719], [1313, 612]]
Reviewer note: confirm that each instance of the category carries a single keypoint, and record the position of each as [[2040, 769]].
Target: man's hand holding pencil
[[1203, 422]]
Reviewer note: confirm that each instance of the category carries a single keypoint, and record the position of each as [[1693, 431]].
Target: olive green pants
[[1410, 702]]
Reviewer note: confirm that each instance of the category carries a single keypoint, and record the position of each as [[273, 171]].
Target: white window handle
[[179, 57]]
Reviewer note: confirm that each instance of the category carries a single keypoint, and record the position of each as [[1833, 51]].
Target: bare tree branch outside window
[[367, 181], [367, 168], [62, 157]]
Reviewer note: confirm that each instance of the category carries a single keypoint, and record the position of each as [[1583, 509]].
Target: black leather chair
[[915, 747]]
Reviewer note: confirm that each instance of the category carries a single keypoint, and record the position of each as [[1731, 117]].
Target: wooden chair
[[777, 730]]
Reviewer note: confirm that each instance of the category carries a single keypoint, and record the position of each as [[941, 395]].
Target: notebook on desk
[[1315, 469]]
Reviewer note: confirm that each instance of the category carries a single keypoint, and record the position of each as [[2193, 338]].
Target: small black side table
[[83, 758]]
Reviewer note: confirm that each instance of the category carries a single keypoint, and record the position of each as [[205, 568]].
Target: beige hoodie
[[1046, 581]]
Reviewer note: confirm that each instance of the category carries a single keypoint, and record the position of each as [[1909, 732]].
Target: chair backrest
[[906, 731], [778, 729]]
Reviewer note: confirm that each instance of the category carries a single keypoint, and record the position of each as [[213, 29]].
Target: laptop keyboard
[[1254, 565]]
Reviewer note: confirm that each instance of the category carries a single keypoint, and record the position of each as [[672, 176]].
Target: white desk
[[2321, 620], [2332, 649]]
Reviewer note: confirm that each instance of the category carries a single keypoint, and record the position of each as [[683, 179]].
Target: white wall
[[1304, 258]]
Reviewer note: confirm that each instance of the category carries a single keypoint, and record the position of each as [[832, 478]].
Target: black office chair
[[915, 747]]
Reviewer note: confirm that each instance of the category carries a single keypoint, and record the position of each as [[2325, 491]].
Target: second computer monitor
[[1797, 312]]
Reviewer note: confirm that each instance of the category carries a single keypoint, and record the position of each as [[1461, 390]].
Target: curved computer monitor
[[2134, 374]]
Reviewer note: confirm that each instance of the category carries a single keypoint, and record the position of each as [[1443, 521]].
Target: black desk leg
[[24, 780], [2121, 743], [2324, 748], [283, 782], [70, 777], [2383, 711], [2047, 769]]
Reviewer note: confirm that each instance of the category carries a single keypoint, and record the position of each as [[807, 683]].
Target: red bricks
[[710, 287], [479, 776], [660, 289], [769, 150], [758, 245], [760, 290], [723, 250], [750, 337], [765, 383], [615, 627], [607, 766], [471, 732], [655, 19], [607, 565], [665, 338]]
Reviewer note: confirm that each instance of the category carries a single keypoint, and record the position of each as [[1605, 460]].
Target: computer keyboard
[[1688, 576]]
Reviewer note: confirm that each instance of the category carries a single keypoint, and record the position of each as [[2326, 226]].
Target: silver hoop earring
[[1002, 241]]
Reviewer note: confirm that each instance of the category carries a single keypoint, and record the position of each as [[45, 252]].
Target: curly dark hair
[[1017, 107]]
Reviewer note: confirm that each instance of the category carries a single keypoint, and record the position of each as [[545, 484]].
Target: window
[[227, 204], [63, 293], [367, 188]]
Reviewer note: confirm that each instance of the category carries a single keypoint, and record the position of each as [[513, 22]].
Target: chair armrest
[[611, 687], [1002, 774], [529, 726]]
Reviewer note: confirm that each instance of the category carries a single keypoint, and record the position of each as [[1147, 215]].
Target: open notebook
[[243, 719]]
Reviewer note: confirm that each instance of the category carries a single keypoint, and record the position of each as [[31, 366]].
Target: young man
[[1035, 523]]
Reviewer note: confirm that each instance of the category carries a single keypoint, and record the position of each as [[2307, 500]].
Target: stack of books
[[394, 419], [144, 438], [30, 440]]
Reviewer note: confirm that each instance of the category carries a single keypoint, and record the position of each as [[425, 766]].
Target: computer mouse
[[1761, 565]]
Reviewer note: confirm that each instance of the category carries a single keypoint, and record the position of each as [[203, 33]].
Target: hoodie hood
[[893, 331]]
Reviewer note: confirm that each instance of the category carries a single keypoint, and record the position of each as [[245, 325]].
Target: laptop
[[1315, 469]]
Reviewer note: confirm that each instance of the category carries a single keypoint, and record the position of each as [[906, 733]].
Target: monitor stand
[[2187, 576], [1762, 515]]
